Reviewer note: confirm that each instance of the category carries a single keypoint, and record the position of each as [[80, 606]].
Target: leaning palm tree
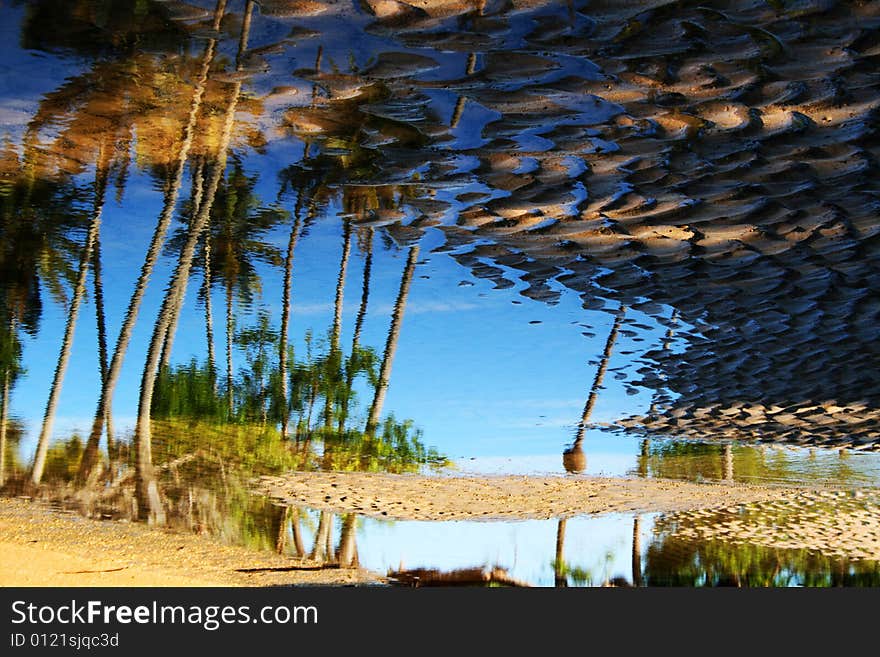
[[637, 552], [101, 323], [108, 387], [322, 547], [4, 416], [350, 368], [334, 358], [10, 370], [559, 563], [35, 217], [70, 326], [391, 342], [285, 318], [195, 203], [347, 553], [206, 296], [573, 458], [147, 489], [234, 243]]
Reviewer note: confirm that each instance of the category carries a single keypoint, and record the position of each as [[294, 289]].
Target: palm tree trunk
[[328, 542], [285, 322], [336, 333], [281, 537], [4, 416], [559, 563], [340, 287], [73, 312], [322, 534], [637, 552], [105, 401], [644, 455], [147, 490], [347, 554], [4, 402], [600, 375], [230, 330], [391, 342], [196, 202], [365, 289], [298, 544], [458, 111], [358, 326], [100, 318], [209, 317]]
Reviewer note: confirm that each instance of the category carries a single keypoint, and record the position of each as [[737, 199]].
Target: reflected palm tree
[[101, 324], [351, 367], [283, 356], [296, 531], [346, 555], [573, 458], [637, 552], [255, 391], [10, 370], [322, 548], [195, 202], [728, 462], [335, 356], [560, 578], [289, 526], [42, 448], [644, 455], [198, 187], [233, 240], [147, 491], [391, 342], [172, 191], [35, 216]]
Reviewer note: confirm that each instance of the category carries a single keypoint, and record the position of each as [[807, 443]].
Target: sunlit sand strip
[[42, 547], [413, 497]]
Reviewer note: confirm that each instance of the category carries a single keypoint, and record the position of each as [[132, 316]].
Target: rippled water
[[629, 239]]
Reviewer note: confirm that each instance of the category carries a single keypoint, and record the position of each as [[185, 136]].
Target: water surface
[[528, 237]]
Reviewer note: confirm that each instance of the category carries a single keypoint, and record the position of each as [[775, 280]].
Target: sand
[[40, 546], [505, 497]]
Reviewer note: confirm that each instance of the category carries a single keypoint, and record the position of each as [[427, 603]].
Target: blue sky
[[487, 374]]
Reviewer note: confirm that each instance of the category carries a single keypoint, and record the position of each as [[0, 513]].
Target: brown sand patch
[[42, 547], [413, 497]]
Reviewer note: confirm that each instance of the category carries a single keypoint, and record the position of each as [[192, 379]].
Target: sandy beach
[[43, 547]]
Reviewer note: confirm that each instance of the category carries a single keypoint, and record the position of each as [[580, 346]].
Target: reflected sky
[[509, 355], [609, 550], [506, 231]]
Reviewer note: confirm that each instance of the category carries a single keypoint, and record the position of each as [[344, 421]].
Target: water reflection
[[750, 464], [515, 188], [618, 550]]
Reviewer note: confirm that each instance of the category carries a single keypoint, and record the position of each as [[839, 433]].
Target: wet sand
[[507, 497]]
